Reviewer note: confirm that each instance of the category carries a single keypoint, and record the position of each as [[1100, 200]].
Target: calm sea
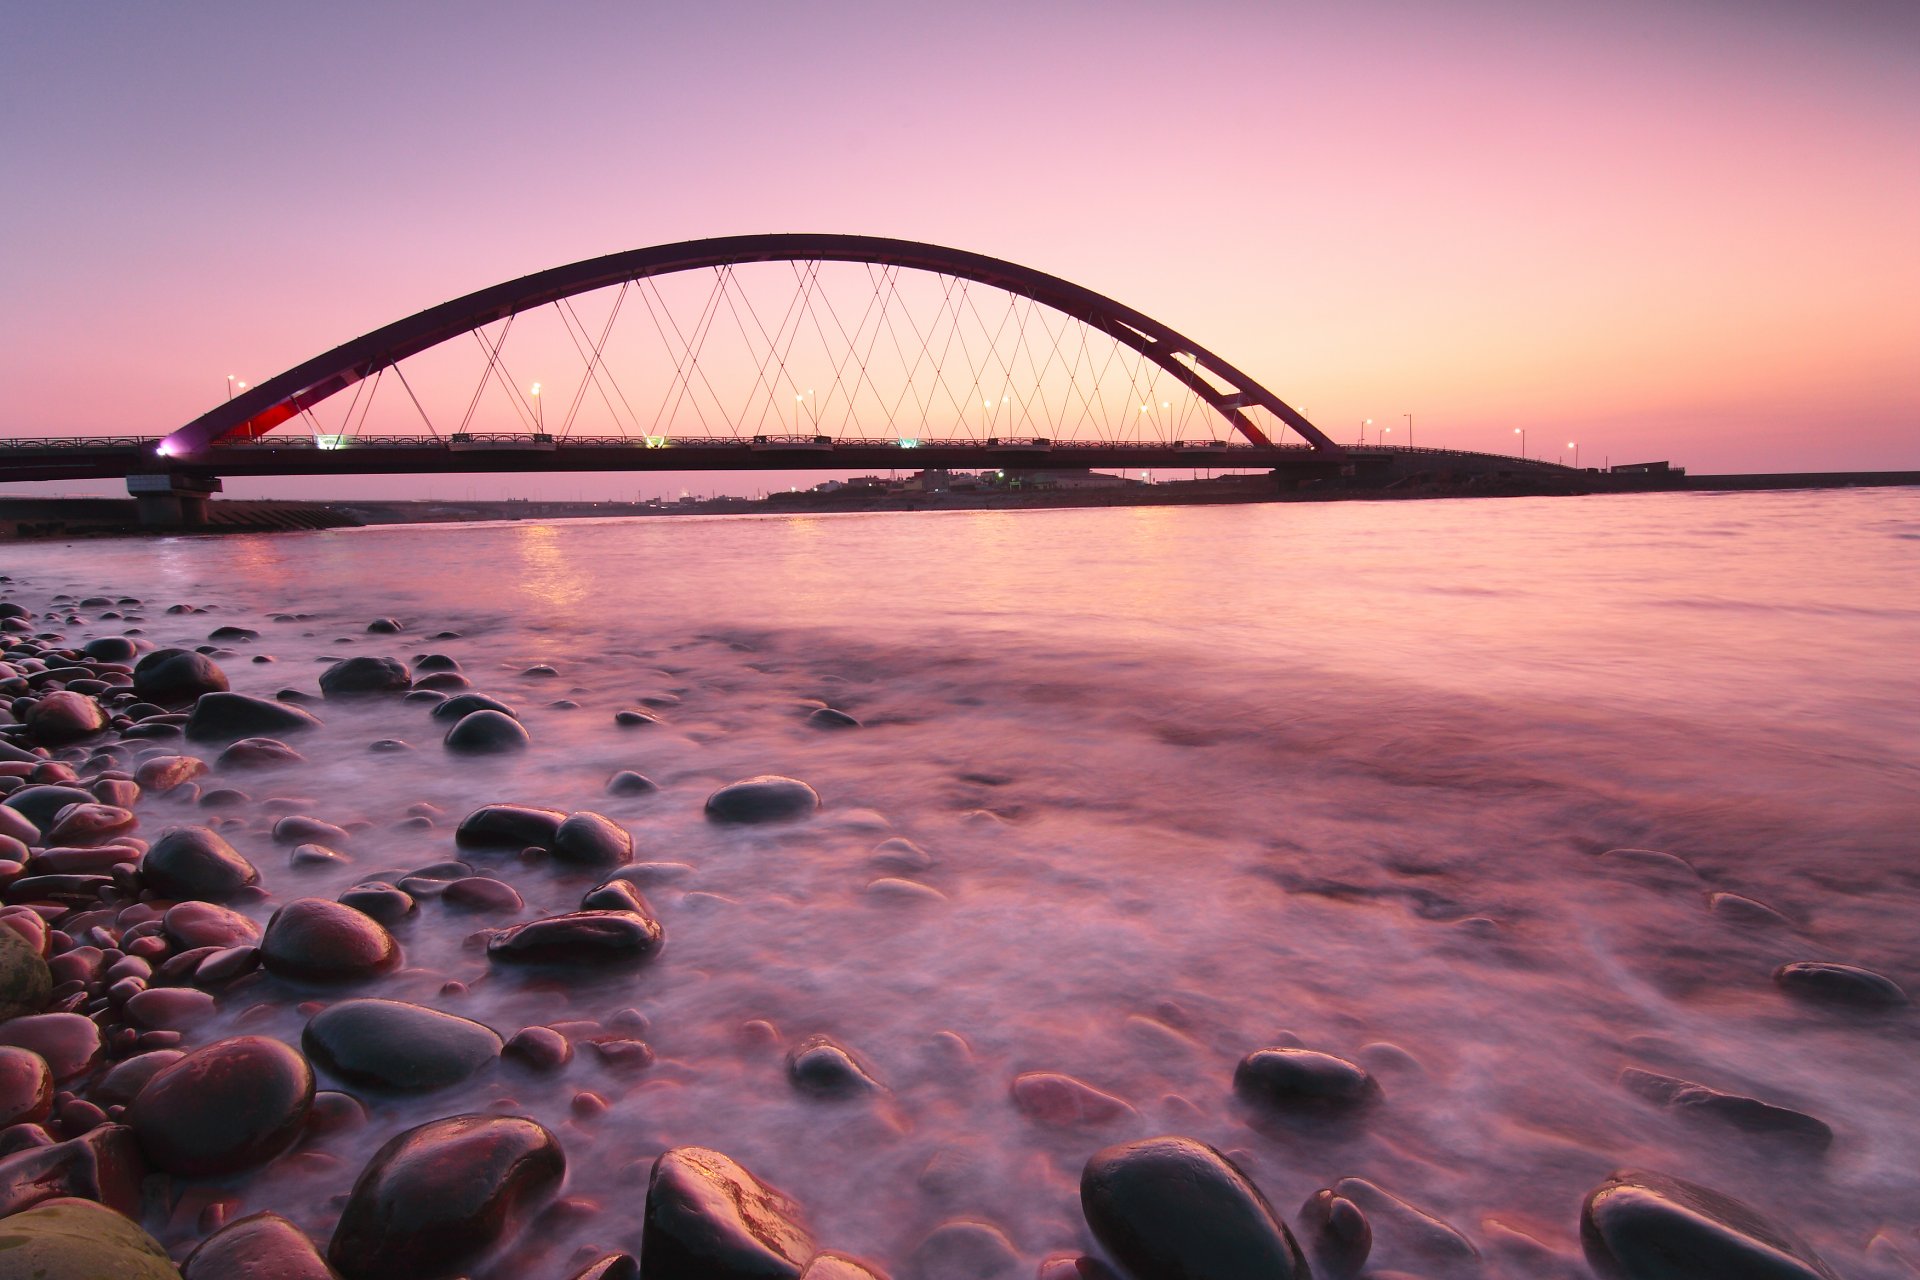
[[1192, 782]]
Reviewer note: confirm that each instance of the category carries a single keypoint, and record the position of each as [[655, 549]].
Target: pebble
[[508, 826], [261, 1246], [440, 1195], [365, 677], [168, 1009], [204, 924], [383, 902], [592, 840], [822, 1068], [1172, 1209], [258, 753], [1061, 1101], [314, 940], [707, 1217], [540, 1048], [628, 783], [1647, 1226], [482, 893], [63, 717], [194, 862], [766, 798], [830, 718], [487, 733], [227, 717], [1302, 1077], [123, 1082], [1748, 1114], [1337, 1234], [965, 1251], [389, 1044], [228, 1106], [465, 704], [68, 1042], [578, 938], [1825, 982]]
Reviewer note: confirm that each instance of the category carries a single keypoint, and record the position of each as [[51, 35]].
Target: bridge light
[[909, 444], [534, 390]]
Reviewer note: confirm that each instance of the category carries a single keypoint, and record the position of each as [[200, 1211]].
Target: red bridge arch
[[267, 405]]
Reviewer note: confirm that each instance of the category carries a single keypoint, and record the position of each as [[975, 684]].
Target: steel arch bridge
[[261, 408]]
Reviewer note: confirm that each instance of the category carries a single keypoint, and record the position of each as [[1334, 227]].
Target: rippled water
[[1195, 781]]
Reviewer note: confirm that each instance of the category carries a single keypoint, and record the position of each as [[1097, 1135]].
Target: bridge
[[782, 352]]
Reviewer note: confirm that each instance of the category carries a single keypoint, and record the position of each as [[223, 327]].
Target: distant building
[[1648, 469], [1071, 478]]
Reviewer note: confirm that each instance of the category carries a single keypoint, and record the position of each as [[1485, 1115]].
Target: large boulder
[[440, 1195], [80, 1240], [196, 862], [389, 1044], [170, 676], [261, 1246], [508, 826], [228, 717], [364, 677], [1175, 1209], [1291, 1078], [314, 940], [707, 1218], [1647, 1226], [228, 1106]]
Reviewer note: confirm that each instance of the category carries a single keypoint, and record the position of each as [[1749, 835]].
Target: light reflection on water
[[1193, 779]]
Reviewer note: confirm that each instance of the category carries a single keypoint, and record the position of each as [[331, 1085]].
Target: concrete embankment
[[23, 518]]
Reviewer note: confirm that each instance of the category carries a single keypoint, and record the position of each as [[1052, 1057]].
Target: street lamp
[[539, 411], [1409, 418], [234, 385], [1363, 429], [1575, 446], [1384, 433], [1522, 433]]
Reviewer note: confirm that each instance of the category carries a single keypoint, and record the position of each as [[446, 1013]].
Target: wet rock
[[578, 938], [365, 677], [508, 826], [707, 1217], [767, 798], [965, 1251], [231, 634], [1748, 1114], [630, 718], [824, 1069], [892, 888], [258, 753], [628, 783], [436, 662], [1337, 1234], [1175, 1209], [901, 855], [617, 894], [482, 893], [25, 983], [830, 718], [1408, 1226], [26, 1087], [228, 1106], [316, 855], [84, 824], [63, 717], [203, 924], [163, 774], [444, 682], [386, 627], [123, 1082], [71, 1239], [168, 1009], [39, 803], [194, 862], [591, 840], [1738, 910], [1302, 1077], [383, 902], [1823, 982], [388, 1044], [101, 1164], [465, 704], [1062, 1101], [1646, 1226], [313, 940], [300, 828], [540, 1048], [228, 717], [69, 1043], [838, 1266], [487, 733], [261, 1246], [112, 649], [440, 1195]]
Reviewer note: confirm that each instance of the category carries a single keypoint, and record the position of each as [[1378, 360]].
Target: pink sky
[[1682, 230]]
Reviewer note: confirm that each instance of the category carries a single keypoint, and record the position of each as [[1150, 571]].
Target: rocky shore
[[129, 1134]]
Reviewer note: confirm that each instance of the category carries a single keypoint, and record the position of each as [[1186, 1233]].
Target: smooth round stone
[[168, 676], [767, 798], [388, 1044], [69, 1043], [831, 718], [25, 981], [462, 705], [508, 826], [1829, 983], [1737, 909], [541, 1048], [578, 938], [194, 862], [440, 1195], [1175, 1209], [1337, 1233], [227, 717], [310, 855], [261, 1246], [1646, 1226], [301, 828], [231, 1105], [444, 681], [313, 940], [436, 662], [83, 824], [26, 1087], [385, 903], [71, 1239], [1296, 1077], [481, 733], [591, 840], [631, 718], [482, 893], [386, 627], [40, 803], [1062, 1101], [966, 1251], [258, 753], [124, 1080], [707, 1217], [168, 773], [203, 924], [365, 677], [617, 894], [628, 783], [111, 649], [65, 716], [168, 1008], [824, 1069]]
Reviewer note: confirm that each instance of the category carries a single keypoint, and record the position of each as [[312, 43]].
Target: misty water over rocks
[[1491, 822]]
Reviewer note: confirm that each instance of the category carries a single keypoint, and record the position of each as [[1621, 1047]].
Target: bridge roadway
[[95, 458]]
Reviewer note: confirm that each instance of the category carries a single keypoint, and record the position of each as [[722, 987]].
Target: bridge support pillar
[[170, 500]]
